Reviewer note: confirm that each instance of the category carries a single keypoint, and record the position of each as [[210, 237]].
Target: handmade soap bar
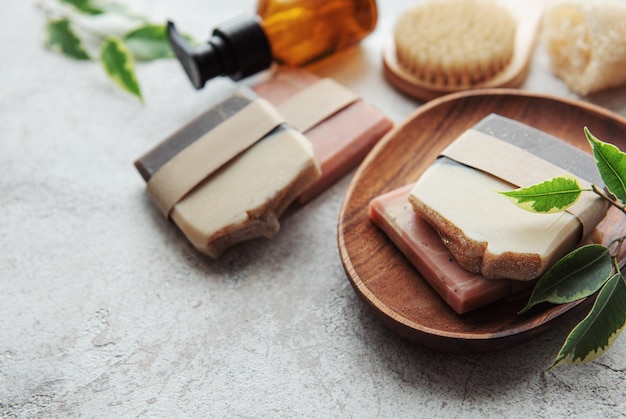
[[341, 134], [462, 290], [245, 199], [228, 175], [221, 185], [483, 230]]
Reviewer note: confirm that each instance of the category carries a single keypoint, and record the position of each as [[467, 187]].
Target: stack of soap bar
[[421, 218], [340, 125], [485, 232], [462, 290], [228, 175]]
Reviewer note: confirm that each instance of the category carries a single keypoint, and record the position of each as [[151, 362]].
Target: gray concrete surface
[[107, 311]]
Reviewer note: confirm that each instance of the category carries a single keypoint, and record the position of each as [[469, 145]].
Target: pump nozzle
[[238, 49], [192, 58]]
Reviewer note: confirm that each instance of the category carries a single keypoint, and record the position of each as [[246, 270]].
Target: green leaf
[[149, 42], [597, 332], [85, 6], [553, 195], [117, 8], [611, 163], [577, 275], [119, 65], [99, 7], [62, 39]]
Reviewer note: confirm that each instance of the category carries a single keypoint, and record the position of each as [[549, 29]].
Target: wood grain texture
[[383, 277]]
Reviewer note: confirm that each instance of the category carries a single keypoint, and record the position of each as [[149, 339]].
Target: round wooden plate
[[528, 14], [385, 279]]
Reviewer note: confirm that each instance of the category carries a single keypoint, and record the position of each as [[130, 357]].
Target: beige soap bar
[[245, 198], [489, 237], [484, 231], [229, 174]]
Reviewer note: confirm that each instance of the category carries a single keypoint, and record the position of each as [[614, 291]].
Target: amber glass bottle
[[293, 32], [301, 31]]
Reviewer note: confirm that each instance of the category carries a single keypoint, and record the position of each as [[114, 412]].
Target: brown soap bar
[[341, 141], [152, 161]]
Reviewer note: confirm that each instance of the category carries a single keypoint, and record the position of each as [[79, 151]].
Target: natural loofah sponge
[[586, 43], [455, 42]]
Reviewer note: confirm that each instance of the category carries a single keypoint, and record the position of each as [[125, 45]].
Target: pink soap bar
[[342, 140], [460, 289]]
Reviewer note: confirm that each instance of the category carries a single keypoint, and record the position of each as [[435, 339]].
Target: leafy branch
[[588, 269], [106, 32]]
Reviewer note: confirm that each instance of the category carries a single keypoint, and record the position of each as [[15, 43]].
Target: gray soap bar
[[541, 144], [152, 161]]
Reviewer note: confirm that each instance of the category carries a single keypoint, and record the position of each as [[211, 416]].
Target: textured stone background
[[107, 311]]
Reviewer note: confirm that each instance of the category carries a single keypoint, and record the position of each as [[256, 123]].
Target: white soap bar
[[245, 198], [483, 230]]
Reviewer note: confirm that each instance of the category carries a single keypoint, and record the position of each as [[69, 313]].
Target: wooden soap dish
[[387, 282], [528, 14]]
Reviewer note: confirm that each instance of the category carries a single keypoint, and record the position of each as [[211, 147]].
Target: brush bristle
[[455, 43]]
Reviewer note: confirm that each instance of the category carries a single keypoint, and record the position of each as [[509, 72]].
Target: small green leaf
[[62, 39], [597, 332], [84, 6], [118, 63], [117, 7], [99, 7], [553, 195], [149, 42], [577, 275], [611, 163]]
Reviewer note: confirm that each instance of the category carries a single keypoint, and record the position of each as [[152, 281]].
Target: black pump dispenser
[[238, 48]]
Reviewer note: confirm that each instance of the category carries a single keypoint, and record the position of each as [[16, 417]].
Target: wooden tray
[[528, 14], [384, 278]]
